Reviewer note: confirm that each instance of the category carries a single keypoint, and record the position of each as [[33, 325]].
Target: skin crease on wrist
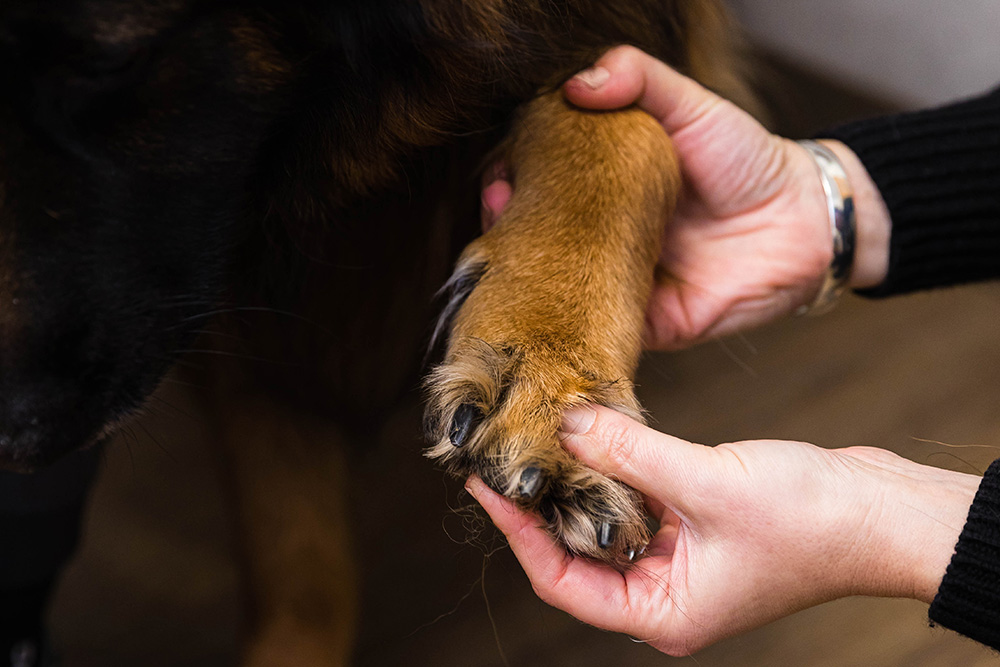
[[908, 537]]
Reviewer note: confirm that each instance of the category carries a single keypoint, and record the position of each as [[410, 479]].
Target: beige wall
[[918, 52]]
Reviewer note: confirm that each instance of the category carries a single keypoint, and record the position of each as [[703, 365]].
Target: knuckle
[[547, 587], [629, 51], [625, 55], [680, 643], [543, 592], [681, 648]]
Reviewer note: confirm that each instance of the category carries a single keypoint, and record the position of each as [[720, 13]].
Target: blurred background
[[912, 52], [156, 585]]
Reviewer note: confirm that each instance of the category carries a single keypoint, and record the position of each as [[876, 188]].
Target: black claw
[[466, 419], [606, 534], [531, 482]]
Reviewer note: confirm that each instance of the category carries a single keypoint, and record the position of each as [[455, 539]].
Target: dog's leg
[[288, 477], [547, 312]]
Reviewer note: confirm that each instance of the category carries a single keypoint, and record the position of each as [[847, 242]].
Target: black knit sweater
[[939, 173]]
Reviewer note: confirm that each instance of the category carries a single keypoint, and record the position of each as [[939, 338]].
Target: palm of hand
[[717, 574]]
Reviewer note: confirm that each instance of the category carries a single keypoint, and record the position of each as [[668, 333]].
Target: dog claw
[[466, 419], [606, 534], [531, 482], [633, 554]]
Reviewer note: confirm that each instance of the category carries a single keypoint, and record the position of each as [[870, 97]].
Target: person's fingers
[[593, 593], [625, 75], [495, 197], [496, 192], [656, 464]]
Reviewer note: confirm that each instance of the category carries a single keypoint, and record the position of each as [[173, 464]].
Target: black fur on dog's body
[[286, 183], [159, 158]]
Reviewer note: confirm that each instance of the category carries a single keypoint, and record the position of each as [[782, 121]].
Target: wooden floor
[[155, 584]]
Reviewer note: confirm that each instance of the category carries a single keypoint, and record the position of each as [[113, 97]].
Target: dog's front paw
[[514, 365], [546, 312]]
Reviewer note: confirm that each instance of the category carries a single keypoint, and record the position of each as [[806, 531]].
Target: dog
[[273, 192]]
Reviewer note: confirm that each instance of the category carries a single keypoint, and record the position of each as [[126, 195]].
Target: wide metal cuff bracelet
[[840, 204]]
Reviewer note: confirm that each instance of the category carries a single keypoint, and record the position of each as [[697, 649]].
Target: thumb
[[658, 465], [625, 75]]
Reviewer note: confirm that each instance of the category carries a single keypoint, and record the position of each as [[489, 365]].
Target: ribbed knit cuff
[[939, 174], [968, 600]]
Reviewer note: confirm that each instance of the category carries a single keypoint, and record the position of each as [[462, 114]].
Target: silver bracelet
[[840, 205]]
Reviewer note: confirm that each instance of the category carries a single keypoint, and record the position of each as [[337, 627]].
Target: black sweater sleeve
[[939, 173], [968, 600]]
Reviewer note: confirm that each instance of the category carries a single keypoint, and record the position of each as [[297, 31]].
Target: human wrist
[[873, 225], [911, 524], [838, 196]]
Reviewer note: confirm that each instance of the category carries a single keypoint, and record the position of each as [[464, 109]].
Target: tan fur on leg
[[555, 318]]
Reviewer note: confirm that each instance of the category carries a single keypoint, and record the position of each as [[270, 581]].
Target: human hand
[[749, 532], [750, 240]]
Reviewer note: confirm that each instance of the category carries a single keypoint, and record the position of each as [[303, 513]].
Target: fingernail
[[578, 420], [593, 78]]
